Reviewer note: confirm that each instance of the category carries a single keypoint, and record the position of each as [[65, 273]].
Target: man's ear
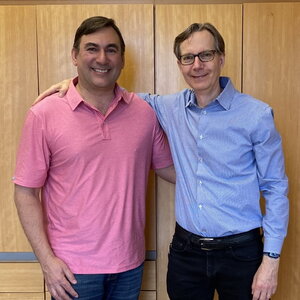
[[222, 60], [123, 59], [178, 63], [74, 53]]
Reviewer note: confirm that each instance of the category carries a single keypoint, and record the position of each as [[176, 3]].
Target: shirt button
[[200, 206], [200, 159], [200, 182], [204, 112], [201, 136]]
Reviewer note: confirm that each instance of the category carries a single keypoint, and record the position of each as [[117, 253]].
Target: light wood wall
[[262, 46], [18, 85], [272, 72], [21, 278], [155, 2]]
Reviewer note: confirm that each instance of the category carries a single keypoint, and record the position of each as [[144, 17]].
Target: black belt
[[212, 243]]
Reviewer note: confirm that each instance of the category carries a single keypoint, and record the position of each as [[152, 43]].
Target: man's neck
[[100, 99], [204, 98]]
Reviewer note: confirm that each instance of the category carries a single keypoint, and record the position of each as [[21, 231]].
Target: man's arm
[[273, 184], [167, 174], [61, 87], [57, 274]]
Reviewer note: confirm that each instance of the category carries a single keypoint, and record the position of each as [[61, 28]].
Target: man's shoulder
[[247, 101], [136, 100], [240, 100], [49, 104]]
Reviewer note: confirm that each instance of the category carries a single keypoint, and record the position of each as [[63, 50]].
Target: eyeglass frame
[[213, 51]]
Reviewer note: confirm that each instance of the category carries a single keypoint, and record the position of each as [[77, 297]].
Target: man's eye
[[187, 57], [112, 50], [206, 54], [91, 49]]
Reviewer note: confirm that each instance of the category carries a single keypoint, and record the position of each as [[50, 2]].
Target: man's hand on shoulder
[[265, 280], [61, 87]]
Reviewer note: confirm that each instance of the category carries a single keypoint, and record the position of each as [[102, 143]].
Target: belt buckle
[[202, 243], [206, 239], [204, 247]]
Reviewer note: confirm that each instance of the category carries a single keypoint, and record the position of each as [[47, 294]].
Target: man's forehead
[[202, 39], [105, 35]]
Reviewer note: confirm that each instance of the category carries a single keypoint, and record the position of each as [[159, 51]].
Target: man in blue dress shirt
[[227, 153]]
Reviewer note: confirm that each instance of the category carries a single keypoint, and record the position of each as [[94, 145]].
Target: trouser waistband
[[211, 243]]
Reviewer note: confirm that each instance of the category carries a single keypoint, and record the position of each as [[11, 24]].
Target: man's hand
[[61, 87], [58, 278], [265, 280]]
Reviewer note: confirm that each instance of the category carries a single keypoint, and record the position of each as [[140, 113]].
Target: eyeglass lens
[[204, 56]]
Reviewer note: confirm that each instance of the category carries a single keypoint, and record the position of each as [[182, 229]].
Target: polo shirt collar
[[74, 98]]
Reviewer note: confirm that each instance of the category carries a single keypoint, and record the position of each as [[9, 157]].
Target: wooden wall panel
[[271, 73], [147, 295], [149, 276], [18, 87], [22, 296], [21, 278], [170, 21], [31, 2]]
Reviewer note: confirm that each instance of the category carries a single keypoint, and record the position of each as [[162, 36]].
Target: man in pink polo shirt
[[82, 171]]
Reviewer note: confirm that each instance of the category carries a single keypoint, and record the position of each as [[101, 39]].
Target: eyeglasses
[[204, 56]]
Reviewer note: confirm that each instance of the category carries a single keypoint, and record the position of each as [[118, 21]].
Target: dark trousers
[[196, 270]]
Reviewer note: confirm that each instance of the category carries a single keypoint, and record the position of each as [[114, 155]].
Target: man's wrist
[[272, 255]]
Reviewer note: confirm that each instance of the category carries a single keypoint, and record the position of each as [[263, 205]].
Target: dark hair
[[94, 24], [195, 27]]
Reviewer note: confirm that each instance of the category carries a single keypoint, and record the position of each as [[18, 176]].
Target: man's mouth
[[97, 70], [199, 75]]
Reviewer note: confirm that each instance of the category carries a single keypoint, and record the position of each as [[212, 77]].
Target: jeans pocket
[[178, 244], [250, 251]]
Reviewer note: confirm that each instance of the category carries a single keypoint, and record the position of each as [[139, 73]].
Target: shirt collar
[[191, 98], [224, 98], [74, 98]]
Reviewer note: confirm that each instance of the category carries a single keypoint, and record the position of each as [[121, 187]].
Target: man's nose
[[197, 62], [101, 57]]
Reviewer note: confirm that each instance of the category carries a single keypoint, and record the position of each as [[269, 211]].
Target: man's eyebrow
[[113, 45], [90, 44]]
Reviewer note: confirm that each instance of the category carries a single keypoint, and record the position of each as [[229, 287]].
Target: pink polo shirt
[[94, 171]]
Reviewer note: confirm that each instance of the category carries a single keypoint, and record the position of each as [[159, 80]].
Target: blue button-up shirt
[[225, 154]]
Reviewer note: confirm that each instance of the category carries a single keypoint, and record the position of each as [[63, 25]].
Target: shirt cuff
[[273, 245]]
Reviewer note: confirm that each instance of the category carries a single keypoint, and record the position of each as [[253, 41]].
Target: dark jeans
[[119, 286], [195, 274]]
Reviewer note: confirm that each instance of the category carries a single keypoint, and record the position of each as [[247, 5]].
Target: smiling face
[[202, 77], [99, 60]]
